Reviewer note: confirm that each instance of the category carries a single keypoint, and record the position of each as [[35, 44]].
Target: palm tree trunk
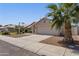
[[68, 33]]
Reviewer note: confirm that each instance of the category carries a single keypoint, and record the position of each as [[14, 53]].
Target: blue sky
[[27, 13]]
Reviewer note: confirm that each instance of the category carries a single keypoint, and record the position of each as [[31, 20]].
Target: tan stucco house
[[43, 26]]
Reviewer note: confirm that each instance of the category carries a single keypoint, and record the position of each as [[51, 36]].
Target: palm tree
[[63, 15]]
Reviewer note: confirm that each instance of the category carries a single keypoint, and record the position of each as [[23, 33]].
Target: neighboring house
[[3, 29], [43, 26], [10, 27]]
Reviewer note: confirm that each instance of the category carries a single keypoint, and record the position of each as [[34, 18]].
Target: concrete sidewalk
[[32, 44]]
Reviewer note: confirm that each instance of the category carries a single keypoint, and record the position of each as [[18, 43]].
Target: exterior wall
[[78, 30], [33, 28], [3, 29], [44, 27], [74, 30]]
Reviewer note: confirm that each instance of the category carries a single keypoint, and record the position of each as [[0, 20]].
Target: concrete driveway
[[32, 44], [7, 49]]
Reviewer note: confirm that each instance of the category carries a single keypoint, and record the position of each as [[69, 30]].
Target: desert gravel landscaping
[[54, 40], [58, 41]]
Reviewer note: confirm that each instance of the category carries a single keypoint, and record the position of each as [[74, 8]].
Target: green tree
[[63, 15]]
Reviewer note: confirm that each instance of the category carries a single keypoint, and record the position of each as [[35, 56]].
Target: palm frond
[[65, 12], [52, 7], [50, 14]]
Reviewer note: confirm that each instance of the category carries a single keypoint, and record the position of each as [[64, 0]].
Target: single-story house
[[3, 29], [43, 26]]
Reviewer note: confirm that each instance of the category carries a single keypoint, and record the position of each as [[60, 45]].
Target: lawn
[[15, 35]]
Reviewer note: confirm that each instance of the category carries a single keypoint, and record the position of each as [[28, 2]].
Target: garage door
[[43, 30], [47, 30]]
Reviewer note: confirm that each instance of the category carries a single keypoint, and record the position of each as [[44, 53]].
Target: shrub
[[5, 33], [29, 30]]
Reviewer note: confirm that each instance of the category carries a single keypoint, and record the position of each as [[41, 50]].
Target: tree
[[63, 15]]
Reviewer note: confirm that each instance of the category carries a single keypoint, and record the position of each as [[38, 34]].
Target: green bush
[[5, 33], [28, 30]]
